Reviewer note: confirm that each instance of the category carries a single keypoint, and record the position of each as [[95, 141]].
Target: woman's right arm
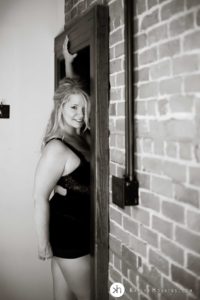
[[49, 170], [69, 72]]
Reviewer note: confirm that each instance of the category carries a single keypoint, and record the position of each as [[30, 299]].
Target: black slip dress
[[69, 226]]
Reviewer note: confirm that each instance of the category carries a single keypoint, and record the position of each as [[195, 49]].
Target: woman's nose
[[80, 113]]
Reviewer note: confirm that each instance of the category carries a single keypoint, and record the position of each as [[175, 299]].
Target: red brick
[[151, 107], [148, 56], [191, 83], [171, 250], [186, 195], [161, 186], [140, 108], [185, 151], [149, 236], [185, 64], [120, 139], [157, 34], [115, 9], [131, 292], [115, 215], [115, 275], [158, 146], [192, 41], [121, 109], [156, 129], [147, 145], [120, 79], [181, 104], [117, 262], [144, 180], [152, 165], [173, 211], [141, 128], [175, 171], [158, 261], [151, 275], [115, 94], [130, 225], [173, 130], [149, 20], [141, 215], [170, 86], [129, 257], [192, 3], [173, 292], [120, 124], [117, 156], [116, 65], [112, 169], [194, 175], [171, 8], [163, 107], [193, 263], [119, 233], [119, 49], [140, 41], [193, 220], [198, 18], [149, 200], [170, 48], [112, 109], [138, 246], [181, 25], [141, 6], [151, 3], [183, 278], [115, 245], [171, 149], [188, 239], [162, 226], [143, 74], [148, 90], [160, 69], [116, 36]]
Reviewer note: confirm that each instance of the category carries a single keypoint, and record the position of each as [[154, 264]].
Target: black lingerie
[[69, 226]]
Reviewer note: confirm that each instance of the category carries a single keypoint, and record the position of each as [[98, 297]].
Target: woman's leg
[[61, 289], [77, 274]]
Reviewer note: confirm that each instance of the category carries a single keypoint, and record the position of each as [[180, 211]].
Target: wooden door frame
[[91, 29]]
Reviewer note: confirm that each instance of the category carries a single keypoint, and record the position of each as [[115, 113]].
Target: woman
[[63, 227]]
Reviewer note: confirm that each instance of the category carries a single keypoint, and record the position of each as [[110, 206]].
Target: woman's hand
[[68, 56], [60, 190], [45, 252]]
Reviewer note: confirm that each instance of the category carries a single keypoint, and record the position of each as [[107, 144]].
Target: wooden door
[[89, 33]]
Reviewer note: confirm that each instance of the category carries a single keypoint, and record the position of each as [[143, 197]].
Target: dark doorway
[[88, 37]]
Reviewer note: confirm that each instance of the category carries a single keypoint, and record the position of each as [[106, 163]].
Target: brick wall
[[155, 247]]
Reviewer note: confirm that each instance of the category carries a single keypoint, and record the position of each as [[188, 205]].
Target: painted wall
[[27, 31], [155, 247]]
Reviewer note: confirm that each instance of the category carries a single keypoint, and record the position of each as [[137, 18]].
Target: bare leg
[[61, 289], [77, 274]]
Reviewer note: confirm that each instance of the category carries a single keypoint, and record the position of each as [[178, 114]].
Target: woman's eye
[[74, 107]]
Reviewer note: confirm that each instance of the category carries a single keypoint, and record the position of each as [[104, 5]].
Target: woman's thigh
[[61, 289], [77, 274]]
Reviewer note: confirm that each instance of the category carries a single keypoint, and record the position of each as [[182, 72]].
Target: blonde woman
[[63, 221]]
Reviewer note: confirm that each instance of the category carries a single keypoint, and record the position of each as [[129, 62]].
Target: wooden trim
[[92, 30]]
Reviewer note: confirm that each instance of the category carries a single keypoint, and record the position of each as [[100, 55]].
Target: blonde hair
[[56, 125]]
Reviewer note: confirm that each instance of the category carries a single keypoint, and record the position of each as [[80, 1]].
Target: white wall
[[27, 31]]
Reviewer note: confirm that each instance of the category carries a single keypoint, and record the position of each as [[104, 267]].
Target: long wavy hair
[[56, 124]]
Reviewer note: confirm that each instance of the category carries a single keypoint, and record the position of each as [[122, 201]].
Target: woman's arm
[[69, 72], [49, 170]]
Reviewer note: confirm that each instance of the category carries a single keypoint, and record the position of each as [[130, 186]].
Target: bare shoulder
[[56, 150]]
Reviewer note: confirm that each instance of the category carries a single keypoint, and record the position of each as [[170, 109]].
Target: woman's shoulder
[[55, 147]]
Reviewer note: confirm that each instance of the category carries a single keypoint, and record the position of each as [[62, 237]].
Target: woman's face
[[74, 111]]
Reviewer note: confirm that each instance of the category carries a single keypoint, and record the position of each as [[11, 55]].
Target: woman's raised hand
[[68, 56]]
